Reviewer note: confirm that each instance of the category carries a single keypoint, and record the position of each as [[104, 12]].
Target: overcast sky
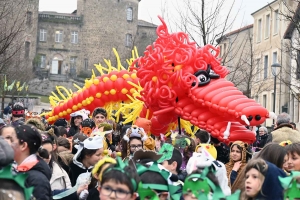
[[149, 9]]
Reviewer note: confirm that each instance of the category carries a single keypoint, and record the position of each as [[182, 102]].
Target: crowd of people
[[92, 157]]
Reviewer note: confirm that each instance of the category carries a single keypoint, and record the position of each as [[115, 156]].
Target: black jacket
[[260, 142], [39, 177], [73, 130], [74, 172]]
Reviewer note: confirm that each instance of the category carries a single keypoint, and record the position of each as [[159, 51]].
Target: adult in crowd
[[18, 114], [7, 111], [7, 133], [26, 143], [222, 150], [76, 119], [284, 130], [261, 139]]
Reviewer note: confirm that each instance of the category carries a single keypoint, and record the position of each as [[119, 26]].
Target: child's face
[[253, 182], [113, 190], [293, 163], [189, 196], [235, 154]]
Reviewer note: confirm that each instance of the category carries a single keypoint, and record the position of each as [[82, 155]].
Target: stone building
[[70, 44]]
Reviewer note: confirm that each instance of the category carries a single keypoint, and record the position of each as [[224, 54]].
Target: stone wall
[[45, 87]]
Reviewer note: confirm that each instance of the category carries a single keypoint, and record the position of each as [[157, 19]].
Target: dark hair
[[273, 153], [214, 140], [86, 152], [121, 177], [63, 142], [294, 124], [176, 156], [61, 122], [150, 177], [62, 131], [293, 148], [56, 131], [99, 110], [202, 135], [8, 186], [29, 135]]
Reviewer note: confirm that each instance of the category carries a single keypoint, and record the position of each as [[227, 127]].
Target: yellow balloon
[[133, 76], [113, 91], [79, 105], [96, 81], [124, 91], [69, 111], [88, 102], [74, 107], [60, 114], [105, 79], [51, 114], [113, 78], [125, 76], [132, 90], [98, 95], [91, 99], [65, 113], [106, 92]]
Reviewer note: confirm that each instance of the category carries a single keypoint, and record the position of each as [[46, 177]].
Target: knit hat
[[6, 153], [18, 110]]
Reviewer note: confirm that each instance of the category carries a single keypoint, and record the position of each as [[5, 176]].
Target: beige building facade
[[268, 43]]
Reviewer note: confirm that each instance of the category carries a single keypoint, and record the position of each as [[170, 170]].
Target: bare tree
[[203, 20]]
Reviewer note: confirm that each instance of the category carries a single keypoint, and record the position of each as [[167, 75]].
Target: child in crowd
[[118, 181], [261, 181], [293, 152]]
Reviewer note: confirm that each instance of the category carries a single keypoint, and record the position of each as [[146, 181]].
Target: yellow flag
[[18, 84], [26, 87], [22, 87]]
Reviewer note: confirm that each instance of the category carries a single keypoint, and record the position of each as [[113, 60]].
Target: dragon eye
[[202, 78]]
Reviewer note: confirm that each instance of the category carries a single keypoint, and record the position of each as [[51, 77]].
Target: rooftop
[[264, 7], [146, 24], [235, 32]]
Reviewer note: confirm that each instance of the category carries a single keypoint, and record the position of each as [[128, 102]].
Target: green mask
[[167, 152]]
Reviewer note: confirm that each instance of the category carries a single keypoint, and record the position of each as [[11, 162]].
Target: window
[[86, 63], [221, 51], [259, 30], [43, 35], [265, 100], [129, 13], [276, 21], [58, 36], [258, 69], [298, 65], [73, 62], [43, 61], [256, 99], [267, 28], [27, 49], [225, 48], [266, 63], [128, 40], [74, 37], [28, 18]]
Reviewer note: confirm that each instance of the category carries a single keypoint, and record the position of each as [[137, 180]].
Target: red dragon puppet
[[179, 80]]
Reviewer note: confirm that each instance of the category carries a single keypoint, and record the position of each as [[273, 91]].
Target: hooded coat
[[271, 188]]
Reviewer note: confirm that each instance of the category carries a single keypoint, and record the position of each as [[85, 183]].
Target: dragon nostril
[[257, 117], [250, 117]]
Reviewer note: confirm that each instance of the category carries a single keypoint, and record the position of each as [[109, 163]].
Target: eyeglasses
[[139, 146], [119, 193]]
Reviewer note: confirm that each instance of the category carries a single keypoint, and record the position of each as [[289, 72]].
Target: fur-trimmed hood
[[285, 132]]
